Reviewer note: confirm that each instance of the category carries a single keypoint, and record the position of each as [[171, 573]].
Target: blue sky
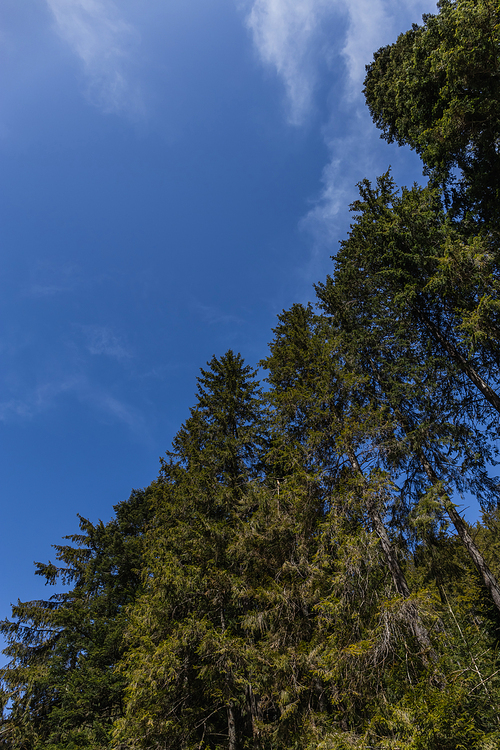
[[173, 175]]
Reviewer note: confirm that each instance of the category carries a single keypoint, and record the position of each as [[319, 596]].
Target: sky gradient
[[173, 175]]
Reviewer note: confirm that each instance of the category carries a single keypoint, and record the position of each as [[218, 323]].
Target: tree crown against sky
[[299, 574], [437, 90], [137, 150]]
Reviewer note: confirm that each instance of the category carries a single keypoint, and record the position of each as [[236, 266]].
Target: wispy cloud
[[213, 316], [106, 406], [288, 36], [102, 40], [101, 340], [49, 279], [38, 400], [284, 32], [369, 21], [352, 158], [373, 23], [66, 374], [111, 407]]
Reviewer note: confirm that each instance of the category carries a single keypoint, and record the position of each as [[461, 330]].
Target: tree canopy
[[300, 575], [437, 90]]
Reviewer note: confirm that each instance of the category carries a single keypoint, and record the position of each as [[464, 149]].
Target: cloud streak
[[102, 40], [50, 279], [372, 24], [300, 39], [37, 400], [296, 36], [284, 32], [45, 396], [101, 340], [213, 316], [120, 411], [69, 375]]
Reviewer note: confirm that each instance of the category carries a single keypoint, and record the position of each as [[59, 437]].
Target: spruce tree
[[61, 683], [380, 305], [187, 684], [437, 89]]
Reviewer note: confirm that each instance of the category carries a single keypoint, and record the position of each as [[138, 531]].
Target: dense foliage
[[437, 90], [61, 680], [299, 575]]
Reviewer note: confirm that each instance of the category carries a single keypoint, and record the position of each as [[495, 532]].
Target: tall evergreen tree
[[335, 418], [380, 305], [61, 684], [437, 89], [298, 586], [186, 661]]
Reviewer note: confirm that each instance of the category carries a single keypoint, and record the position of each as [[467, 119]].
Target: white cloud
[[45, 396], [351, 160], [49, 279], [372, 24], [37, 400], [293, 37], [119, 411], [369, 22], [102, 40], [299, 39], [284, 32], [214, 316], [101, 340]]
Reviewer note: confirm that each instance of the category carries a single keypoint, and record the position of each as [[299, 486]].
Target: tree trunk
[[231, 726], [397, 574], [252, 705], [391, 559], [490, 395], [489, 579]]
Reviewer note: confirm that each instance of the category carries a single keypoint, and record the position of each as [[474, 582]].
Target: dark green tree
[[61, 681], [367, 620], [320, 403], [404, 341], [437, 89], [186, 667]]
